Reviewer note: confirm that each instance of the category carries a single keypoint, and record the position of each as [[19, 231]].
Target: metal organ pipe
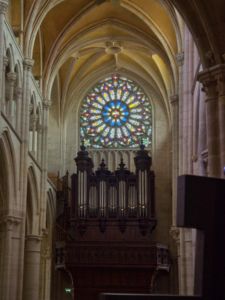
[[102, 198], [143, 192], [122, 197], [82, 193]]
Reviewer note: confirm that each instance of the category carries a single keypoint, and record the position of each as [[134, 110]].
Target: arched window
[[116, 113]]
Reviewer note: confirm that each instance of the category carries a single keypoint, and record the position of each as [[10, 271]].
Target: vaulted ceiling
[[75, 42]]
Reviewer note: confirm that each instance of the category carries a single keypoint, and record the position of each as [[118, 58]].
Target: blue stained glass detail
[[115, 114]]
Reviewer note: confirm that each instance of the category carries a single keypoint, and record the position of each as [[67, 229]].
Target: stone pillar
[[2, 93], [28, 63], [202, 144], [180, 63], [11, 76], [175, 155], [18, 109], [46, 265], [39, 142], [44, 159], [220, 76], [33, 122], [10, 236], [212, 122], [32, 260], [3, 9], [176, 273]]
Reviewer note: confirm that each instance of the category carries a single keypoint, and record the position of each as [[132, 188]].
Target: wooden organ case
[[104, 234]]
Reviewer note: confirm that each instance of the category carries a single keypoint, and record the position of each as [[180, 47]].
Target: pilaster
[[209, 82], [18, 95], [46, 103], [219, 74], [10, 235], [28, 63], [2, 92], [175, 154], [11, 78], [180, 63]]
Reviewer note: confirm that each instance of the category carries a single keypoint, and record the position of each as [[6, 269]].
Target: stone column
[[3, 9], [46, 271], [11, 76], [180, 63], [18, 109], [39, 142], [2, 93], [220, 76], [32, 260], [28, 63], [212, 122], [33, 122], [10, 231], [175, 147], [44, 159], [202, 144], [176, 274]]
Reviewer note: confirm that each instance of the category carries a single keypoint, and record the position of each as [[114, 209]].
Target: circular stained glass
[[116, 113]]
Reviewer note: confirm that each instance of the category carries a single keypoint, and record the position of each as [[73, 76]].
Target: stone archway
[[32, 242]]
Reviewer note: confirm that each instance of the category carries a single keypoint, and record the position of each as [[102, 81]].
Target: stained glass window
[[116, 113]]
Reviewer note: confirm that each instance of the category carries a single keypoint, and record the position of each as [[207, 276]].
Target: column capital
[[209, 83], [46, 103], [5, 61], [34, 237], [213, 80], [33, 120], [3, 6], [11, 76], [28, 63], [39, 128], [11, 222], [174, 99], [180, 58], [18, 92]]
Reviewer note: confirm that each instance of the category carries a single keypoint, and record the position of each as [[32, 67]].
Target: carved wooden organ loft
[[104, 230]]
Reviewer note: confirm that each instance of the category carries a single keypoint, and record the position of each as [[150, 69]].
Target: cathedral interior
[[104, 103]]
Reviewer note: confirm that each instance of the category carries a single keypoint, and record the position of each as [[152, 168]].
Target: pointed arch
[[9, 55], [32, 210], [8, 173]]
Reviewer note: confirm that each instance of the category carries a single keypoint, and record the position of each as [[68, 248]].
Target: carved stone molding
[[46, 104], [180, 59], [34, 238], [3, 6], [18, 92], [204, 155], [11, 76], [209, 84], [10, 222], [213, 80], [5, 61], [150, 255], [28, 64], [174, 99]]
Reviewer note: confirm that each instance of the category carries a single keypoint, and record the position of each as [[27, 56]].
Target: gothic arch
[[8, 173], [9, 55], [32, 212], [18, 71]]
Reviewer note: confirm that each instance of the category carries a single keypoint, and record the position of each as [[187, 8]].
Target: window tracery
[[116, 113]]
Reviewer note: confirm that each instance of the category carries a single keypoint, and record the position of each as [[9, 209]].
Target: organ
[[106, 228]]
